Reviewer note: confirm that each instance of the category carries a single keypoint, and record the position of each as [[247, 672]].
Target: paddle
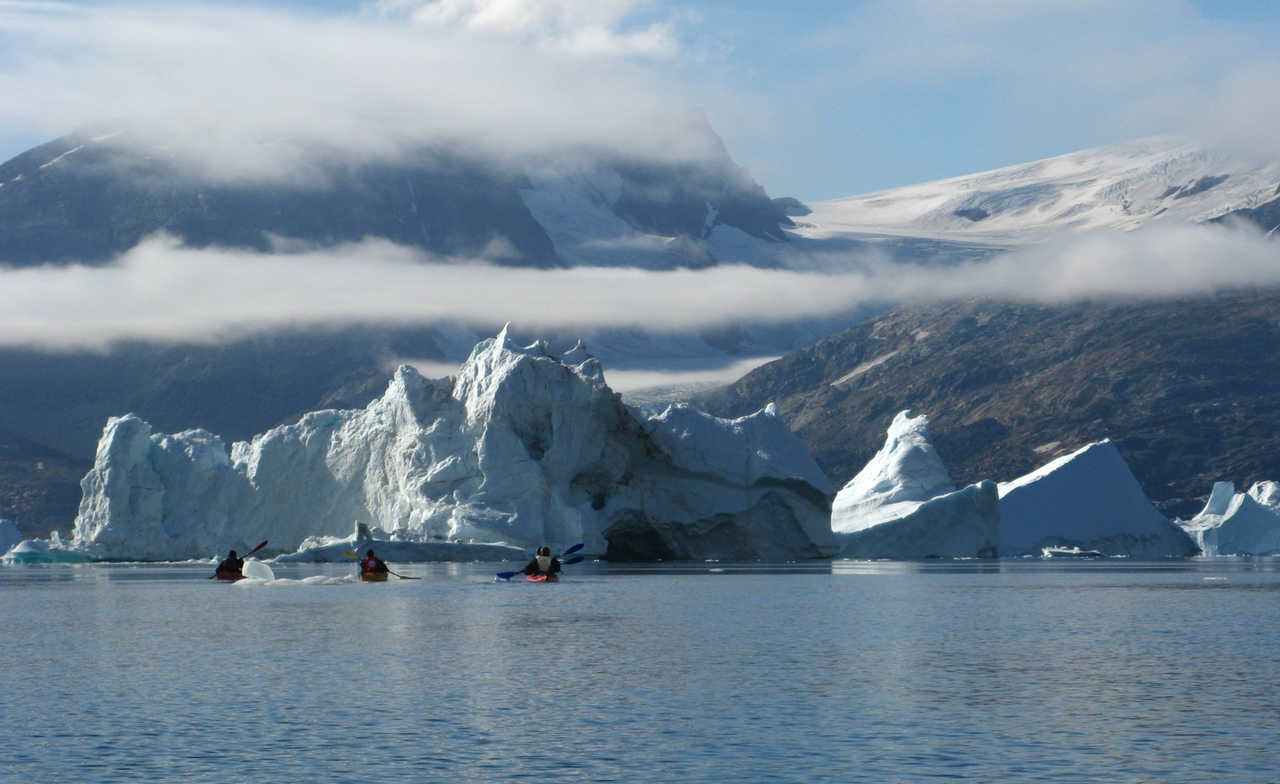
[[350, 554], [572, 549], [261, 545]]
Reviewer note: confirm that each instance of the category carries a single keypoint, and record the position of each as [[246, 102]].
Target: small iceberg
[[41, 551], [1068, 552], [393, 547], [1238, 524], [902, 504], [257, 570]]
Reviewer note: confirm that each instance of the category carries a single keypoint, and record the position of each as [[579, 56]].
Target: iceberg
[[906, 471], [521, 448], [44, 551], [961, 524], [391, 547], [1089, 500], [1234, 523], [902, 504]]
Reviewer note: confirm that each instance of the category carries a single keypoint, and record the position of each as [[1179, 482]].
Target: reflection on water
[[694, 672]]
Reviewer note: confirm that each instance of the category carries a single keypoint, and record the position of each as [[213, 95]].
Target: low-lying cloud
[[164, 291]]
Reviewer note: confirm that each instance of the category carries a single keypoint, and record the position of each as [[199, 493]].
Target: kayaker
[[543, 563], [231, 566], [372, 564]]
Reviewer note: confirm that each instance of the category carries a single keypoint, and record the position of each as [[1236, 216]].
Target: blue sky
[[817, 99]]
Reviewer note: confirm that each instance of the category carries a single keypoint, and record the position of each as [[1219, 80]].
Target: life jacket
[[544, 563], [370, 564]]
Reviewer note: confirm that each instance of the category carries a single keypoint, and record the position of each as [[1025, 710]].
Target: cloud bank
[[163, 291], [239, 92]]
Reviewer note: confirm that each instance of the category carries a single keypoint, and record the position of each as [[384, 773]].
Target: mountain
[[1189, 391], [88, 198], [1121, 186]]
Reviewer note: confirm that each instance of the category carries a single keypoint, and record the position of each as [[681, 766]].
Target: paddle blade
[[575, 559], [261, 545], [506, 575], [575, 548], [350, 554]]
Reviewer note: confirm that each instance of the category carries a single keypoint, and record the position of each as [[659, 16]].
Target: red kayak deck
[[541, 578], [229, 576]]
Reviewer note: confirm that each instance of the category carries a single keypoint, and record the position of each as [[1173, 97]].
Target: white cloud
[[1155, 262], [243, 92], [641, 385], [165, 292], [580, 27]]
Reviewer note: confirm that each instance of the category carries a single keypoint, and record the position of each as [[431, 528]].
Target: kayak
[[541, 578], [229, 576], [374, 577]]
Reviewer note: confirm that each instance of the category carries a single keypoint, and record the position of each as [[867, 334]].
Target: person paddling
[[542, 563], [372, 564], [231, 568]]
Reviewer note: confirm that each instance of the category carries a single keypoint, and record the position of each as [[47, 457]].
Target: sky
[[818, 99]]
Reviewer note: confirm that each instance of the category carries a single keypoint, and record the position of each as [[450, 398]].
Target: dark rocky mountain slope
[[82, 198], [1188, 390]]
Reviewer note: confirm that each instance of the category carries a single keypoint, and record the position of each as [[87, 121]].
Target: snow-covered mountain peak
[[1119, 186]]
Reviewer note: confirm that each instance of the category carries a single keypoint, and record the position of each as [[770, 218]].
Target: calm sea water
[[1016, 671]]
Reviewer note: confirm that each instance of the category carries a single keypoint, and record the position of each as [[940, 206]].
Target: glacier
[[1087, 499], [902, 504], [1234, 523], [1158, 179], [522, 447]]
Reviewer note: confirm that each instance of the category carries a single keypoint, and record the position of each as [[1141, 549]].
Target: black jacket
[[532, 567]]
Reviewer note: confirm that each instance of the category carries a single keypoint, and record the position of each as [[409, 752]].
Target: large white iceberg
[[521, 447], [902, 504], [1088, 499], [1234, 523]]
